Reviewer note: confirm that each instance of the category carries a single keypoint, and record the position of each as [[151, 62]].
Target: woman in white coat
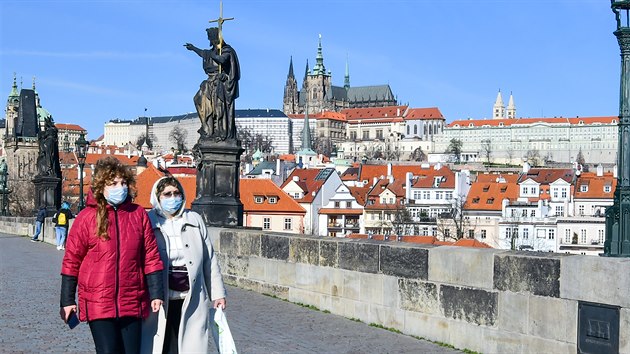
[[192, 276]]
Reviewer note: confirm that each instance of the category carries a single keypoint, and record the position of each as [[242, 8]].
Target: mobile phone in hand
[[73, 320]]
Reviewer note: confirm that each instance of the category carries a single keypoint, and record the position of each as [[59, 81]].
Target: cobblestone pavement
[[30, 323]]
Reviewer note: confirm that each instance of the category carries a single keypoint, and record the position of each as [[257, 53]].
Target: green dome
[[258, 155], [42, 114]]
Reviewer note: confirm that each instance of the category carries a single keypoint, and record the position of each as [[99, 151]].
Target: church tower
[[290, 105], [318, 84], [498, 110], [11, 112], [511, 108]]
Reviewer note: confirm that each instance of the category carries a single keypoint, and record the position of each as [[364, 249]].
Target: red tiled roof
[[426, 179], [64, 126], [144, 184], [374, 112], [524, 121], [368, 172], [547, 175], [321, 116], [306, 181], [487, 193], [252, 187], [360, 193], [595, 185], [287, 157], [339, 211], [424, 113], [471, 242]]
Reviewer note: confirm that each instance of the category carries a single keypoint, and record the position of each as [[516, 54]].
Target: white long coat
[[206, 285]]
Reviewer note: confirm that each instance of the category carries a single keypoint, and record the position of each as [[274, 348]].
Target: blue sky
[[99, 60]]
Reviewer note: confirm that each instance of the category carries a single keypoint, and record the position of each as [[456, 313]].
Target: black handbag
[[178, 279]]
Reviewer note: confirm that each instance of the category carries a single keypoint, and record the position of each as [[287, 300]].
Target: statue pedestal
[[218, 200], [48, 193]]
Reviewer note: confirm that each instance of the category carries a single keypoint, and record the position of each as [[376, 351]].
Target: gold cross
[[220, 21]]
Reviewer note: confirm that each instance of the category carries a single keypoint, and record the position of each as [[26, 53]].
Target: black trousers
[[116, 335], [173, 319]]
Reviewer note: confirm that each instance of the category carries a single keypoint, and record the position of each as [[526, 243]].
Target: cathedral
[[319, 94]]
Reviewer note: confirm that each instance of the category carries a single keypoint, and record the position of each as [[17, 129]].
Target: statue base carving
[[218, 199], [47, 193]]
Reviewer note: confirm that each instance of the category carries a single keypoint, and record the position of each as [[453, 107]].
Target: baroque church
[[319, 94]]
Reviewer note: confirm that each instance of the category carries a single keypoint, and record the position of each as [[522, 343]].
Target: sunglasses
[[171, 194]]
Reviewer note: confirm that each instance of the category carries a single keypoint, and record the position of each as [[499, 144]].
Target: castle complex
[[319, 94]]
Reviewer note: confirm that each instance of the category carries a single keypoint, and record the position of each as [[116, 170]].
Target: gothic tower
[[290, 105], [511, 108], [319, 84], [498, 110], [11, 112]]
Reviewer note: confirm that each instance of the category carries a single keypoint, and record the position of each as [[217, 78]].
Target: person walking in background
[[192, 277], [62, 222], [112, 256], [39, 222]]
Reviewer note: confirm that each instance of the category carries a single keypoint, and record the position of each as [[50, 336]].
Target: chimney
[[614, 170], [374, 181], [277, 166], [389, 169], [408, 177], [397, 112], [526, 167], [296, 179], [600, 170], [391, 179], [248, 168]]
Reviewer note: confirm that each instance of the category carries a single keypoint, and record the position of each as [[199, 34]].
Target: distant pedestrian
[[62, 222], [39, 222]]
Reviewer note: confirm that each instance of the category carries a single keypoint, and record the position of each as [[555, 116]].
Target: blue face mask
[[171, 205], [116, 195]]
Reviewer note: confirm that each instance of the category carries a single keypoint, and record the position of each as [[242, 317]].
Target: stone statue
[[3, 174], [215, 99], [48, 158]]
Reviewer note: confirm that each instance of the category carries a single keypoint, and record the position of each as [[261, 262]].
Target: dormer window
[[490, 201], [258, 199], [475, 200], [273, 200], [486, 188], [607, 189], [503, 189], [584, 188]]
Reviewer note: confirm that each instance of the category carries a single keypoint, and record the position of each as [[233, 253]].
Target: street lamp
[[617, 242], [81, 152]]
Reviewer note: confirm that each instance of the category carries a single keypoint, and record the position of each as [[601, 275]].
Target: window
[[408, 130], [567, 236], [416, 194], [287, 224], [438, 195], [583, 236], [415, 129], [559, 210], [336, 204], [297, 195], [532, 213], [581, 209], [508, 233], [426, 195], [366, 135], [447, 233], [600, 236], [555, 192], [425, 231], [525, 234], [449, 195], [483, 234], [258, 199], [584, 188], [348, 204], [533, 190], [551, 234], [524, 213], [353, 135], [266, 223], [607, 189], [471, 233], [379, 133], [273, 200], [564, 193]]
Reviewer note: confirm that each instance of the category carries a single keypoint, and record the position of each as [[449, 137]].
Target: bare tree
[[322, 145], [178, 137], [486, 151], [142, 138], [532, 156], [453, 224], [252, 142], [417, 155], [373, 150], [402, 222], [510, 154], [21, 198], [455, 149]]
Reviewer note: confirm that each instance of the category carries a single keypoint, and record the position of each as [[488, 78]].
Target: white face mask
[[115, 195]]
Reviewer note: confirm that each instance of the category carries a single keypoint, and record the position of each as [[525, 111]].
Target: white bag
[[221, 333]]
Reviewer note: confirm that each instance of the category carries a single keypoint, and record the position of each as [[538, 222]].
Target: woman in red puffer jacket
[[112, 255]]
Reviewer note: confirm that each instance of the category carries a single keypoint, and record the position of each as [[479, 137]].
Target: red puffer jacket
[[111, 273]]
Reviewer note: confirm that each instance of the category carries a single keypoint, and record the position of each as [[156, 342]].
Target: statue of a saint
[[48, 156], [215, 99]]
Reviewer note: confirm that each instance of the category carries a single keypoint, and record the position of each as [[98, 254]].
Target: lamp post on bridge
[[81, 152], [617, 242]]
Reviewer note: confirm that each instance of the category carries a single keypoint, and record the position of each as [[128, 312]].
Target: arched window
[[408, 130], [415, 129]]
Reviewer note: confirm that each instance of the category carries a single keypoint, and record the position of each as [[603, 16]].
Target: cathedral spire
[[14, 90], [290, 75], [307, 71], [346, 78], [306, 133], [319, 68]]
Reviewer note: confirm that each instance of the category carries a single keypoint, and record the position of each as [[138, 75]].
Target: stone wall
[[486, 300], [491, 301]]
